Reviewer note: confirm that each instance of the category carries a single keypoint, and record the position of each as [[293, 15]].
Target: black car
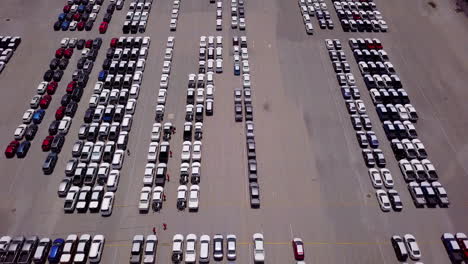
[[254, 195], [57, 75], [53, 127], [238, 112], [111, 8], [110, 53], [70, 110], [31, 131], [85, 17], [80, 44], [69, 17], [92, 54], [89, 25], [49, 164], [395, 200], [48, 75], [89, 8], [97, 42], [54, 64], [63, 64], [80, 63], [126, 27], [82, 81], [88, 67], [66, 98], [57, 143], [76, 74], [252, 170], [88, 117], [218, 247], [106, 64], [57, 25], [76, 94], [107, 17]]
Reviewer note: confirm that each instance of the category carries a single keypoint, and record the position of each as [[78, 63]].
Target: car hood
[[259, 256]]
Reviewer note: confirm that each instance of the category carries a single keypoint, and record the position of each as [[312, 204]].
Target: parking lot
[[313, 181]]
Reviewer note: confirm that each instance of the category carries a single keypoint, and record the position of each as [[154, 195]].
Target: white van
[[106, 206], [113, 180]]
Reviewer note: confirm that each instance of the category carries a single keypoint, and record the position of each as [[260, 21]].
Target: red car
[[51, 87], [10, 151], [298, 247], [60, 113], [47, 143], [68, 53], [70, 87], [59, 53], [103, 27], [77, 17], [113, 42], [45, 101], [80, 25], [66, 9], [462, 240], [89, 43]]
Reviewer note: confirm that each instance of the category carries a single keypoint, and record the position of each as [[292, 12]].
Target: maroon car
[[11, 149]]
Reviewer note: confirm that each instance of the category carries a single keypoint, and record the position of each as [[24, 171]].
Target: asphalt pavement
[[313, 180]]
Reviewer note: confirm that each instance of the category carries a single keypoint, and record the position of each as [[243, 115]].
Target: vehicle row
[[113, 5], [210, 55], [137, 16], [159, 151], [8, 45], [33, 117], [360, 16], [397, 118], [58, 129], [318, 9], [78, 15], [237, 14], [72, 249], [99, 153], [174, 15], [405, 247], [428, 194], [456, 246], [380, 177]]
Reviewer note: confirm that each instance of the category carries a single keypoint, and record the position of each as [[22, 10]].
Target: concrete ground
[[314, 184]]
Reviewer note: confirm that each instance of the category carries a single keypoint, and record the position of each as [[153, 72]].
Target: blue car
[[61, 17], [56, 250], [38, 116], [81, 9], [65, 25], [102, 76], [23, 149], [236, 69]]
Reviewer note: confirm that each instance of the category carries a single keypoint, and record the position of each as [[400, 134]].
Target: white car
[[376, 178], [204, 249], [162, 96], [64, 42], [113, 180], [130, 107], [134, 91], [68, 249], [384, 202], [149, 252], [65, 124], [402, 112], [186, 149], [145, 196], [164, 81], [387, 178], [27, 116], [140, 65], [148, 178], [152, 152], [246, 80], [177, 246], [170, 42], [412, 247], [194, 197], [107, 204], [245, 66], [166, 67], [191, 248], [34, 103], [156, 132], [73, 25], [181, 196], [200, 97], [96, 154], [117, 159], [19, 131], [158, 193], [196, 151], [258, 249], [97, 246]]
